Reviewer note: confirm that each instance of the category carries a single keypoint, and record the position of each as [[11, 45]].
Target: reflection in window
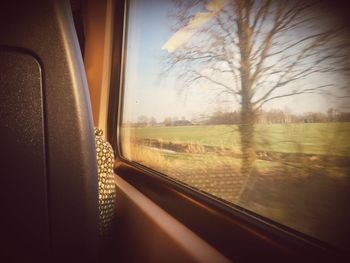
[[247, 101]]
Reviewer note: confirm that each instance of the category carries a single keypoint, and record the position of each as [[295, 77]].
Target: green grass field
[[327, 146], [310, 138], [304, 192]]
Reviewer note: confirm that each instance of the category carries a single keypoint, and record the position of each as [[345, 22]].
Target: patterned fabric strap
[[106, 183]]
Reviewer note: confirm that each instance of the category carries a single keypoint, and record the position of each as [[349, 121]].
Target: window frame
[[237, 233]]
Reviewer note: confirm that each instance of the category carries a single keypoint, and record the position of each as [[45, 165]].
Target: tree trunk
[[247, 111], [246, 130], [247, 141]]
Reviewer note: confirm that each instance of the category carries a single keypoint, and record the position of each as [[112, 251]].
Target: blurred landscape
[[301, 177]]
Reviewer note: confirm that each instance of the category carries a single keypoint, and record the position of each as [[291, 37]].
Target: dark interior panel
[[48, 129], [24, 220]]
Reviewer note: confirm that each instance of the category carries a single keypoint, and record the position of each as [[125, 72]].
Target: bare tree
[[168, 121], [254, 52], [142, 120], [152, 121]]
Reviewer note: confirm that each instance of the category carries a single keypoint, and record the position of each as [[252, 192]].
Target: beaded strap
[[106, 183]]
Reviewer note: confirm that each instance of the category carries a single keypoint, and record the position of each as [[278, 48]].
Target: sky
[[148, 92]]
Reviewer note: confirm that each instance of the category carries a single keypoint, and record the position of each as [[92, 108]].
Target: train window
[[246, 101]]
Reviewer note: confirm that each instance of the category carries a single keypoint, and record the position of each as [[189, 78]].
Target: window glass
[[247, 101]]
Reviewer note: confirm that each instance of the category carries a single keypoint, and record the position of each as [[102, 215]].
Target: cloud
[[180, 37]]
